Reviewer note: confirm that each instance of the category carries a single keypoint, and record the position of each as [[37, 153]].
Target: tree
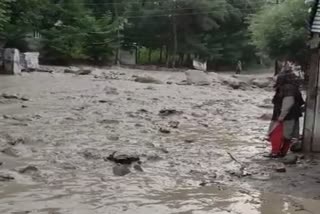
[[4, 16], [78, 35], [280, 31]]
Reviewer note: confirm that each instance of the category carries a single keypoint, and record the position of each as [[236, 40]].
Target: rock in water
[[164, 131], [120, 170], [147, 79], [296, 147], [174, 124], [290, 159], [122, 159], [267, 117], [84, 72], [138, 167], [197, 77], [281, 168], [10, 152], [28, 169], [262, 83], [168, 112], [6, 177]]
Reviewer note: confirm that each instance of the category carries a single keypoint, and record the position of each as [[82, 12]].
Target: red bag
[[276, 139]]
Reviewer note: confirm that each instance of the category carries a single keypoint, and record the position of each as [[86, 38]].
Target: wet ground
[[208, 159]]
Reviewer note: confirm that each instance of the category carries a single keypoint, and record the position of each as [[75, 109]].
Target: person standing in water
[[239, 67], [287, 110]]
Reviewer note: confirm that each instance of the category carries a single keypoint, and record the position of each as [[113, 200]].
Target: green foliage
[[78, 35], [214, 30], [280, 31]]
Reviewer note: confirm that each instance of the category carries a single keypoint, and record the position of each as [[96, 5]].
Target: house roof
[[315, 18]]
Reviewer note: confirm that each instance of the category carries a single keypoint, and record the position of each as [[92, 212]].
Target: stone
[[30, 60], [122, 158], [120, 170], [261, 82], [28, 169], [147, 79], [10, 96], [296, 147], [266, 117], [10, 152], [164, 130], [233, 82], [168, 112], [84, 72], [91, 154], [189, 140], [71, 70], [5, 177], [138, 167], [174, 124], [12, 61], [281, 168], [197, 77], [290, 159]]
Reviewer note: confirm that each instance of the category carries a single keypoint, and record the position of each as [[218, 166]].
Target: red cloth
[[276, 139]]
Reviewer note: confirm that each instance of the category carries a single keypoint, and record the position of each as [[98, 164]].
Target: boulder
[[138, 167], [290, 159], [233, 82], [164, 130], [197, 77], [120, 170], [147, 79], [30, 60], [28, 169], [12, 61], [280, 168], [296, 147], [261, 82], [266, 117], [77, 71], [122, 158], [10, 152], [168, 112], [5, 177]]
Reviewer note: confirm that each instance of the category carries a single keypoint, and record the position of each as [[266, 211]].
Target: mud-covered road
[[58, 128]]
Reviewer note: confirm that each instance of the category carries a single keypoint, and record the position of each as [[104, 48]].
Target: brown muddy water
[[69, 123]]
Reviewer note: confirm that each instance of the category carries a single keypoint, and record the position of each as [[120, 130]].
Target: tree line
[[164, 32]]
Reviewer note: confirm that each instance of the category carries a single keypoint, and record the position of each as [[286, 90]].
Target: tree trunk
[[137, 55], [118, 35], [149, 56], [175, 38], [160, 57], [167, 56]]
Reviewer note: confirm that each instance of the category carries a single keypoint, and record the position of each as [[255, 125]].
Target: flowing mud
[[199, 148]]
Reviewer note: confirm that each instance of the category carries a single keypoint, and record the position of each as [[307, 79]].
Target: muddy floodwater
[[203, 156]]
